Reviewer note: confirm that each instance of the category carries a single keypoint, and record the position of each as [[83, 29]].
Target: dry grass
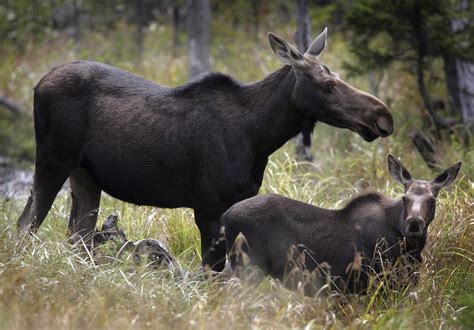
[[46, 284]]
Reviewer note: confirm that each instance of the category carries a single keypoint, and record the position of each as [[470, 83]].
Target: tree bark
[[139, 23], [424, 93], [464, 73], [176, 17], [303, 26], [303, 38], [198, 19], [77, 22], [452, 84], [420, 36]]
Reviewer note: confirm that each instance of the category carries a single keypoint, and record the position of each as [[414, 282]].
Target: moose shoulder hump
[[370, 203], [211, 81]]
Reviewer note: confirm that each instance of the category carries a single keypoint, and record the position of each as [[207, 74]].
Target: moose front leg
[[212, 240]]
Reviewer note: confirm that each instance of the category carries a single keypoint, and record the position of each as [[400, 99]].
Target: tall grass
[[44, 283]]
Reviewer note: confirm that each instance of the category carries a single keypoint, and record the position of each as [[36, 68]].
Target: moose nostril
[[415, 227], [384, 127], [383, 132]]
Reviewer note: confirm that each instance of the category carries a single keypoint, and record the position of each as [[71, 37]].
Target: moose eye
[[329, 85]]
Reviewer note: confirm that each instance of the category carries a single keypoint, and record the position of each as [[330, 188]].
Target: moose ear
[[318, 44], [398, 171], [284, 51], [446, 178]]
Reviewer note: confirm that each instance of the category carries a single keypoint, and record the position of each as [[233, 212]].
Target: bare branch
[[11, 105]]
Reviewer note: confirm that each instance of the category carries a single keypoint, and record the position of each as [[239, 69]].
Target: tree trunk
[[77, 23], [464, 73], [421, 39], [303, 39], [176, 18], [452, 84], [424, 93], [303, 26], [198, 19], [139, 23]]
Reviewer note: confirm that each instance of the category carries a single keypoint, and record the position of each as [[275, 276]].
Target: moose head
[[419, 200], [322, 95]]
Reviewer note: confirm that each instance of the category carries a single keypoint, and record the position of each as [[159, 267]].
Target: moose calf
[[280, 235]]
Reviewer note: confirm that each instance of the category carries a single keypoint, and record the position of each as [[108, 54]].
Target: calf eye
[[329, 85]]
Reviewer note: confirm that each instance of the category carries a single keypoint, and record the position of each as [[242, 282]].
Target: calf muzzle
[[415, 227]]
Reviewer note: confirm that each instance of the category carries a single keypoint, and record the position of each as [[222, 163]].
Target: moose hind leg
[[85, 195], [48, 179]]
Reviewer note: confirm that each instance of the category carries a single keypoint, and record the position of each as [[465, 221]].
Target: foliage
[[386, 31], [413, 32], [20, 21]]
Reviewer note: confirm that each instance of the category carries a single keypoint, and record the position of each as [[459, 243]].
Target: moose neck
[[272, 119]]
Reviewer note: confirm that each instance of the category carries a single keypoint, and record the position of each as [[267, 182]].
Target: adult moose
[[203, 145], [348, 243]]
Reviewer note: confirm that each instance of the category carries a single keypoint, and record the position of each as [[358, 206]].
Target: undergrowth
[[46, 283]]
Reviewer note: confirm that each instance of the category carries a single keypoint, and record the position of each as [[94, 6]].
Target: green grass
[[44, 283]]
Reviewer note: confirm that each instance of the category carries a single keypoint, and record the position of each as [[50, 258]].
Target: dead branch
[[11, 105], [425, 147]]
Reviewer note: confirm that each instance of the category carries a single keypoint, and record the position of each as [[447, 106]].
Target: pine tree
[[409, 31]]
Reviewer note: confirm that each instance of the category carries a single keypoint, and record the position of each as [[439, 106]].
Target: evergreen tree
[[410, 31]]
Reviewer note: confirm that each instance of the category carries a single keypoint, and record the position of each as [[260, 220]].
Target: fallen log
[[426, 149], [149, 250]]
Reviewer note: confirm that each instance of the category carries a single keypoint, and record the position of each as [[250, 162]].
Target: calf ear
[[446, 178], [318, 44], [398, 171], [284, 51]]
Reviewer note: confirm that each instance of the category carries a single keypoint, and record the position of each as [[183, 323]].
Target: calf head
[[322, 95], [420, 196]]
